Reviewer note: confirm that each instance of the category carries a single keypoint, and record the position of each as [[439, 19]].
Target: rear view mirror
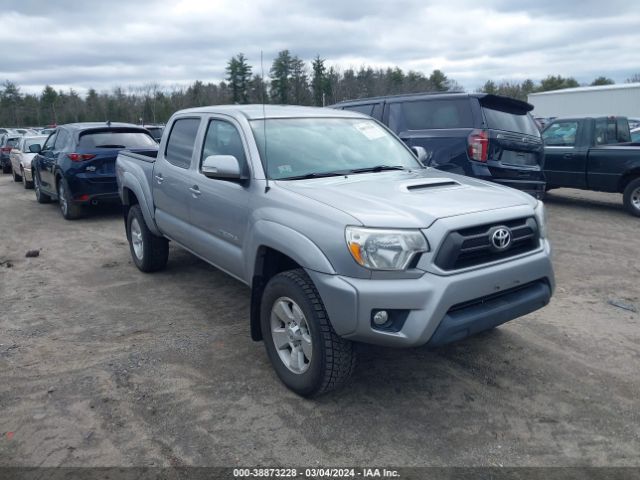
[[422, 155], [35, 148], [222, 166]]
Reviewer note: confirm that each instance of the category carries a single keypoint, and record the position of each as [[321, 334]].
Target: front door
[[564, 162], [219, 208]]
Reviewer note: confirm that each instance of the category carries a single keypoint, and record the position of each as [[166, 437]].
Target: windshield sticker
[[370, 130], [284, 169]]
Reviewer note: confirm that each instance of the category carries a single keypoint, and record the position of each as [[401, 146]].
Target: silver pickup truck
[[340, 232]]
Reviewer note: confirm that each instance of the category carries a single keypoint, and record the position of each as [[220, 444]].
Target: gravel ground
[[101, 365]]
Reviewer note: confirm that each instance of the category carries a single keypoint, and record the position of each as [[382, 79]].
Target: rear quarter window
[[430, 114]]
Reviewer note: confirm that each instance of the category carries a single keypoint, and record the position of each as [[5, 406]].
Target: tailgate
[[516, 150]]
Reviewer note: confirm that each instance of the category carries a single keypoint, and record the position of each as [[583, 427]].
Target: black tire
[[41, 197], [155, 249], [631, 197], [28, 185], [69, 210], [333, 358], [16, 177], [6, 169]]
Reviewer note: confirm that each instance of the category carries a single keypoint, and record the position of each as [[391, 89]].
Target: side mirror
[[422, 155], [222, 166], [35, 148]]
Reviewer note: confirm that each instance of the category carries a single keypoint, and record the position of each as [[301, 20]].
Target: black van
[[489, 137]]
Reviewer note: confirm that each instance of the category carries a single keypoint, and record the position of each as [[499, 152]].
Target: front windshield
[[298, 147]]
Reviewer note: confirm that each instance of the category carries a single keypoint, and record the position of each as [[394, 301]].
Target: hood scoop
[[434, 183]]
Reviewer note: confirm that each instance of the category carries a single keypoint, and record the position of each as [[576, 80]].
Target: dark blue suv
[[77, 163], [490, 137]]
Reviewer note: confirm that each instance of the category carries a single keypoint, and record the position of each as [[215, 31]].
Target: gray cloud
[[102, 44]]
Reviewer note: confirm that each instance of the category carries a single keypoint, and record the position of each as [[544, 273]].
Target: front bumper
[[438, 308]]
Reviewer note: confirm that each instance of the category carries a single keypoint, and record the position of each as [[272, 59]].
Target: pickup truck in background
[[489, 137], [593, 153], [341, 234]]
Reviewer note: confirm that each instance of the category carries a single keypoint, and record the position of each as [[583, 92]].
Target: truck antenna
[[264, 128]]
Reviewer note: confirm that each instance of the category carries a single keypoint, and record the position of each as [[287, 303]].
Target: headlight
[[541, 219], [382, 249]]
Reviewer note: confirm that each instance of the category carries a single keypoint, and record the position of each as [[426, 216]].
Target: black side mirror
[[35, 148], [422, 155]]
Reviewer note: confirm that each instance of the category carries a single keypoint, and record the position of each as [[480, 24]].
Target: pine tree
[[319, 82], [239, 77], [281, 77]]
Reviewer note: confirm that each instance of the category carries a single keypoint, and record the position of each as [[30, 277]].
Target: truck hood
[[407, 199]]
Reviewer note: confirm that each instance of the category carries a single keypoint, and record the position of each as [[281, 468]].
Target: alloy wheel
[[291, 335]]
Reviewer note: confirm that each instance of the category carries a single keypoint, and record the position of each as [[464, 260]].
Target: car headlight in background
[[385, 249], [541, 219]]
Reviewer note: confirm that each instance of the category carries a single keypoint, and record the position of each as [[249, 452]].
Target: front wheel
[[16, 177], [149, 252], [631, 197], [307, 354]]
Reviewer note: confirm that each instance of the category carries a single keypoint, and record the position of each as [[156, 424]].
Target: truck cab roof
[[259, 111]]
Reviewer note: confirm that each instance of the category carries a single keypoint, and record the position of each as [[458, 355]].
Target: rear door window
[[182, 142], [561, 134], [116, 139], [430, 114]]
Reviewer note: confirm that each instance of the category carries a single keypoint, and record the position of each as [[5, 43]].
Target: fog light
[[381, 317]]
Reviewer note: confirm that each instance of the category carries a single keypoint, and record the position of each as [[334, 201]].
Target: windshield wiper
[[378, 168], [111, 146], [317, 175]]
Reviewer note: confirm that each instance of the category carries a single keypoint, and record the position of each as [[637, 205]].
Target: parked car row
[[334, 219], [342, 234]]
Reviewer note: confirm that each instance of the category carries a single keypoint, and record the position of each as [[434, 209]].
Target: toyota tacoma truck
[[341, 233], [594, 153]]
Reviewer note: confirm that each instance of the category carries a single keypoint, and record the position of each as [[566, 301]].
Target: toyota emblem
[[501, 238]]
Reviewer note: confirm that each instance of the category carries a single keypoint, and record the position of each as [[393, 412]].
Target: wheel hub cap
[[291, 335], [635, 198]]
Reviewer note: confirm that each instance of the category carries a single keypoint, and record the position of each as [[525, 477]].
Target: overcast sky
[[101, 44]]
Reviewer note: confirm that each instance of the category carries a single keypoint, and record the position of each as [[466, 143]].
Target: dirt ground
[[101, 365]]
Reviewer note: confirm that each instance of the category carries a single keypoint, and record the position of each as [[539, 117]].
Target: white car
[[21, 158]]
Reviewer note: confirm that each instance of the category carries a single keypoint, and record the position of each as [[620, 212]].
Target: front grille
[[472, 246]]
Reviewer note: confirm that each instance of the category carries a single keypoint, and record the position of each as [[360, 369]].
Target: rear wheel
[[6, 169], [149, 252], [69, 210], [307, 354], [631, 197], [41, 197]]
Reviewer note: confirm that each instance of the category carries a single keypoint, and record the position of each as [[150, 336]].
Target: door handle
[[159, 178], [195, 191], [568, 156]]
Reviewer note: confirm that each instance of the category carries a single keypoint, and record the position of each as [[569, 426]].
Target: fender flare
[[129, 181], [288, 241]]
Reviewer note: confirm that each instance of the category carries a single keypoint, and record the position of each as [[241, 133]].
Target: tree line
[[291, 80]]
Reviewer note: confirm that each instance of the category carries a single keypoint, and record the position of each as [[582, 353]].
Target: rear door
[[48, 159], [171, 180], [515, 150], [565, 161], [440, 125]]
